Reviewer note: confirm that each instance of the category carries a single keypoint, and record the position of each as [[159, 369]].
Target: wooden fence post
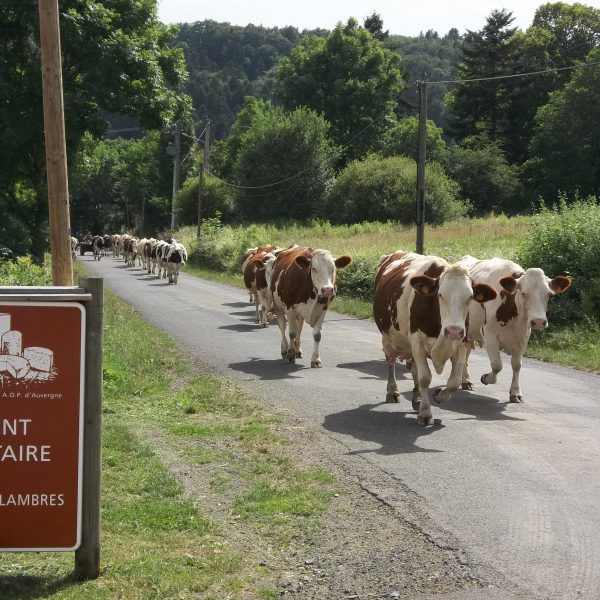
[[87, 556]]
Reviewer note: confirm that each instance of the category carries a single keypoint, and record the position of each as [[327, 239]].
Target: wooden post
[[176, 171], [56, 147], [421, 166], [203, 170], [87, 556]]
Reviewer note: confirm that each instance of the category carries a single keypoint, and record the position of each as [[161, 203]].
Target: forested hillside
[[304, 124], [227, 62]]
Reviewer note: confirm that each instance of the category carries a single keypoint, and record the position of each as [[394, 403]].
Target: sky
[[399, 17]]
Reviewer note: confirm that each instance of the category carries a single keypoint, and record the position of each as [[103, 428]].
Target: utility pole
[[142, 225], [203, 169], [56, 146], [422, 86], [176, 171]]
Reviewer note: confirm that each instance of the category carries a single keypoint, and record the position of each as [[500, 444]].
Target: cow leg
[[425, 416], [297, 343], [493, 351], [416, 398], [292, 331], [393, 393], [257, 315], [281, 323], [315, 359], [467, 383], [515, 386], [458, 364]]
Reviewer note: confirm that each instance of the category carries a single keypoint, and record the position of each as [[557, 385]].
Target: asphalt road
[[515, 487]]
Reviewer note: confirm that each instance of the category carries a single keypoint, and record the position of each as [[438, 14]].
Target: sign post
[[41, 395], [50, 409]]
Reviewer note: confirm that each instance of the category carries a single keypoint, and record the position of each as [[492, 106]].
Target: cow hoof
[[291, 359], [467, 385], [517, 399], [425, 420], [298, 354], [263, 325], [316, 364], [392, 398], [484, 379], [416, 404]]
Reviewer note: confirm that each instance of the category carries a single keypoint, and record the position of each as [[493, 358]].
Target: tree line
[[312, 124]]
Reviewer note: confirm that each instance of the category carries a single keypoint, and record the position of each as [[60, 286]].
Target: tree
[[403, 138], [561, 35], [116, 56], [113, 179], [435, 56], [374, 24], [485, 177], [350, 79], [566, 141], [283, 164], [479, 107]]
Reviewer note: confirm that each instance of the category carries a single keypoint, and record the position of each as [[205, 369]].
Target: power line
[[544, 72]]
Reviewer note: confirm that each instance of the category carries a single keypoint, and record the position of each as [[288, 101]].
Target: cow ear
[[424, 285], [483, 292], [560, 283], [343, 261], [508, 284], [303, 262]]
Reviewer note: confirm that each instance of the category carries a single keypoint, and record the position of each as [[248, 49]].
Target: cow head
[[534, 289], [454, 290], [322, 268]]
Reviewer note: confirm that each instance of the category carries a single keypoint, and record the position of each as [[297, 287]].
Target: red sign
[[41, 415]]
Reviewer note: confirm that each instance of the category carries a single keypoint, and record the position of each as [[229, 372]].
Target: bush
[[485, 177], [24, 271], [357, 279], [565, 240], [384, 189], [216, 198]]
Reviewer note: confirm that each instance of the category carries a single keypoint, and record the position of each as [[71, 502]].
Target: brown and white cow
[[303, 284], [255, 279], [507, 321], [420, 306], [248, 255]]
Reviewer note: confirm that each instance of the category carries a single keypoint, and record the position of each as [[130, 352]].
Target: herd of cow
[[164, 258], [424, 307]]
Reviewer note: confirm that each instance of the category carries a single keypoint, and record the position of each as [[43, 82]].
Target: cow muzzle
[[454, 333], [326, 296], [539, 324]]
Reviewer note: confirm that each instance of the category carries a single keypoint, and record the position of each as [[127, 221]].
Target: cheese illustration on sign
[[19, 365]]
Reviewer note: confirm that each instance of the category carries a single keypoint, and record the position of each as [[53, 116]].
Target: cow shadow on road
[[482, 408], [237, 304], [376, 369], [251, 325], [395, 431], [272, 369]]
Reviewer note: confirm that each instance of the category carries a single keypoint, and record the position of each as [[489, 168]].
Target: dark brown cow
[[420, 307], [255, 279], [303, 285], [251, 252]]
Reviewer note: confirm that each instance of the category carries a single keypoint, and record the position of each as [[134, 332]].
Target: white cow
[[506, 322], [176, 257], [303, 284]]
